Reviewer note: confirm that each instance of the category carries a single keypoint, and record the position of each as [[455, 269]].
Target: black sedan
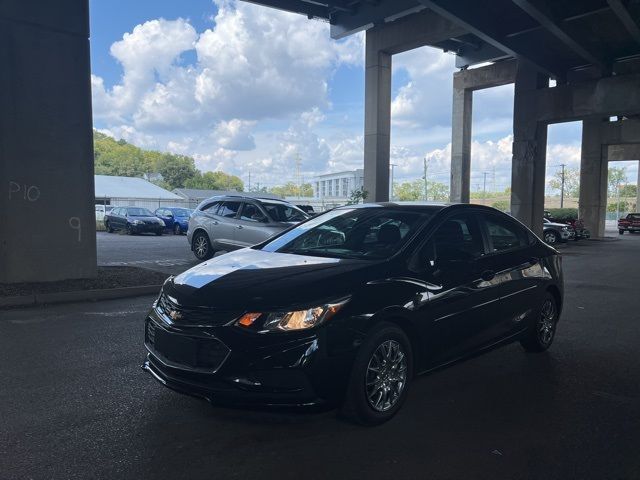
[[133, 220], [347, 307]]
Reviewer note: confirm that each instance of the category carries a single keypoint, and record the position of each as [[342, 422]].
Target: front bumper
[[232, 367], [147, 228]]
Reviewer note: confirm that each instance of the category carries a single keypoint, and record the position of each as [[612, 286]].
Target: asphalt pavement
[[76, 405], [168, 253]]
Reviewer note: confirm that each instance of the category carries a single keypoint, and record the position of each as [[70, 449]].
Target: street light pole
[[392, 165], [426, 185], [562, 187]]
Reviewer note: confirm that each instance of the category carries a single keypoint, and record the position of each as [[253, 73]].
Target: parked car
[[133, 220], [554, 233], [101, 211], [577, 228], [347, 307], [308, 209], [175, 219], [630, 223], [232, 222]]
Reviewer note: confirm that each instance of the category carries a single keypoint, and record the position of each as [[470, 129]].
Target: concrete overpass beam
[[593, 177], [529, 150], [377, 121], [47, 217]]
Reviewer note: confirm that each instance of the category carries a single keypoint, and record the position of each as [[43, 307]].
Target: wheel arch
[[400, 318], [196, 231]]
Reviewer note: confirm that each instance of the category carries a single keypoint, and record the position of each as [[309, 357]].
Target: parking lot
[[77, 405], [168, 253]]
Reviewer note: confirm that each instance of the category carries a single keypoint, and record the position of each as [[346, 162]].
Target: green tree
[[290, 189], [617, 176], [176, 170], [628, 190], [357, 195], [411, 191], [215, 181], [613, 206], [571, 182]]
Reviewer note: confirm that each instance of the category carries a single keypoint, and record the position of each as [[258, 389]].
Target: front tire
[[201, 246], [380, 378], [551, 237], [108, 227], [130, 230], [620, 231], [542, 334], [177, 230]]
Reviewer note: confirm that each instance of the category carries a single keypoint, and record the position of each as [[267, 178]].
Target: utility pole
[[298, 163], [249, 180], [617, 200], [426, 185], [484, 188], [393, 165], [562, 186]]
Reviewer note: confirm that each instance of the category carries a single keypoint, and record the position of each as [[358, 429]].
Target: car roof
[[247, 198], [422, 206]]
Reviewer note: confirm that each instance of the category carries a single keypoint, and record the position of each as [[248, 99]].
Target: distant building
[[132, 191], [336, 188], [194, 196]]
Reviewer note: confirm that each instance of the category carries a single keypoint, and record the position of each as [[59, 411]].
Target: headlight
[[564, 229], [293, 320], [137, 222]]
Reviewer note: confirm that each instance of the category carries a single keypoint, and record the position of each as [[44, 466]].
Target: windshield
[[367, 233], [139, 212], [181, 212], [281, 212]]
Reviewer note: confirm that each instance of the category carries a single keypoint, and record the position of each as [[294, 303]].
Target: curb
[[78, 296]]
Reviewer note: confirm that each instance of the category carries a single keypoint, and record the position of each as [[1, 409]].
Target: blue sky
[[243, 88]]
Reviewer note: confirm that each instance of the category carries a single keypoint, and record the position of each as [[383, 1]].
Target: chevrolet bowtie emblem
[[175, 315]]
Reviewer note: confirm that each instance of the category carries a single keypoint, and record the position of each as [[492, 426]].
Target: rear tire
[[177, 230], [541, 335], [201, 246], [108, 227], [130, 230], [380, 377], [620, 231], [159, 232]]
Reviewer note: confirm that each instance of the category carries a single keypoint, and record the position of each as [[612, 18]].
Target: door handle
[[239, 227], [488, 275], [215, 222]]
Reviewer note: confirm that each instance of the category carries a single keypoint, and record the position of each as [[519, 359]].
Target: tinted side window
[[210, 207], [458, 238], [504, 234], [252, 213], [229, 209]]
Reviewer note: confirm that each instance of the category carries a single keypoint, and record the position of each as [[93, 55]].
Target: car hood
[[252, 279], [556, 225]]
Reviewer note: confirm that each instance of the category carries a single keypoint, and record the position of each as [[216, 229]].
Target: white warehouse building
[[336, 188]]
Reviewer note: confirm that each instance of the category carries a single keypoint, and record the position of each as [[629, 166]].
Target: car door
[[116, 219], [227, 218], [251, 226], [461, 304], [519, 274]]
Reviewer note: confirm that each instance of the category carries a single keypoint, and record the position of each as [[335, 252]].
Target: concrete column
[[461, 145], [377, 121], [47, 217], [529, 150], [593, 177], [638, 190]]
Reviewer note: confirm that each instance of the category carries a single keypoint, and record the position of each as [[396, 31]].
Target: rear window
[[281, 212]]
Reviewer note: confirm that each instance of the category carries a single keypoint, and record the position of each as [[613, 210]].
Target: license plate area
[[187, 352]]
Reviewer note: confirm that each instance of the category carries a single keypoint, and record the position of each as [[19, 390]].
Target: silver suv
[[232, 222]]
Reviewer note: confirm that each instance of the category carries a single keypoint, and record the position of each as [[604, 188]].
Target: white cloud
[[234, 135]]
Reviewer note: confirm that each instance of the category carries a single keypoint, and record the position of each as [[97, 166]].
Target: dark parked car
[[175, 219], [347, 307], [133, 220], [233, 221]]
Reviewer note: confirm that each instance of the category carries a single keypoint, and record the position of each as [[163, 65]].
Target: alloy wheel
[[547, 322], [550, 237], [386, 375], [201, 246]]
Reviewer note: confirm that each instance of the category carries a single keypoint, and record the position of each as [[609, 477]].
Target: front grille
[[173, 312], [185, 351]]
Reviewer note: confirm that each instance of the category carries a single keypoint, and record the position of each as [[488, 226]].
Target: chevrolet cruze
[[348, 307]]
